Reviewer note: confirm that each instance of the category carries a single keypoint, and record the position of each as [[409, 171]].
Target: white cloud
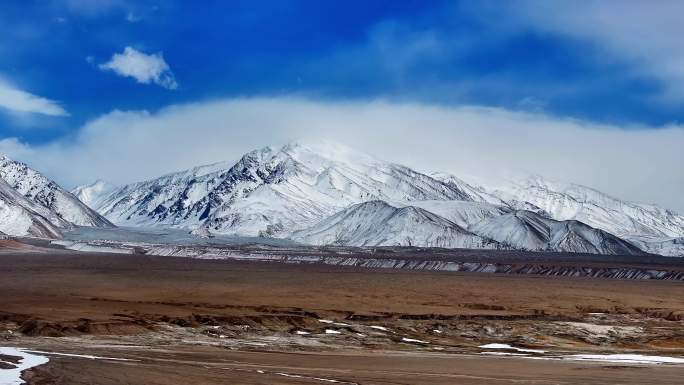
[[142, 67], [126, 146], [17, 100], [646, 34]]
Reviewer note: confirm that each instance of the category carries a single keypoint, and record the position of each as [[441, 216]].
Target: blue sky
[[437, 52], [66, 64]]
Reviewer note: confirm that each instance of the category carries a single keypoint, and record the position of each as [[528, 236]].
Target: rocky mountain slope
[[565, 201], [669, 247], [22, 217], [376, 223], [89, 194], [49, 194], [527, 230]]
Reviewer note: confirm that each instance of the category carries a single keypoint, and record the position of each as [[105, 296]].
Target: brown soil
[[185, 314], [209, 367]]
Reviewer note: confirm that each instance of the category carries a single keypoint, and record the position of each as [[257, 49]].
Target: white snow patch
[[626, 358], [504, 354], [404, 339], [87, 356], [95, 248], [509, 347], [331, 331], [314, 378], [28, 360], [384, 329]]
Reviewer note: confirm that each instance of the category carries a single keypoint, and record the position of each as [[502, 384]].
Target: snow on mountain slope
[[92, 194], [474, 192], [22, 217], [49, 194], [141, 203], [462, 213], [667, 247], [276, 191], [530, 231], [478, 193], [565, 201], [271, 191], [376, 223]]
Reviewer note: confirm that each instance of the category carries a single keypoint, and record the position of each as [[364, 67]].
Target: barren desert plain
[[140, 319]]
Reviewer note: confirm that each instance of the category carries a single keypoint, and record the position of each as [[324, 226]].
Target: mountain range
[[326, 193]]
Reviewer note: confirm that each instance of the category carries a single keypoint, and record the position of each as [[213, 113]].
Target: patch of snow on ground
[[504, 354], [626, 358], [87, 356], [602, 330], [404, 339], [320, 379], [509, 347], [384, 329], [28, 360], [95, 248], [331, 331]]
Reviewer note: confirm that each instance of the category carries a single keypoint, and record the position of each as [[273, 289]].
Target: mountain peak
[[309, 149]]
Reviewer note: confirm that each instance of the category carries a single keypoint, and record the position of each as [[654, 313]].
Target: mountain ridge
[[45, 192], [376, 223], [277, 191]]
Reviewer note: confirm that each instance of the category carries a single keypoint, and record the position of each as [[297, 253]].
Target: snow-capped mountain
[[565, 201], [90, 194], [49, 194], [313, 192], [527, 230], [271, 191], [376, 223], [21, 217]]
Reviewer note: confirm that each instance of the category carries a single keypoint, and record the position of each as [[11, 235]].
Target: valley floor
[[144, 319]]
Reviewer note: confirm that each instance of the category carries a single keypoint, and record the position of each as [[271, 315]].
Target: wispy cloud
[[647, 34], [14, 99], [144, 68]]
